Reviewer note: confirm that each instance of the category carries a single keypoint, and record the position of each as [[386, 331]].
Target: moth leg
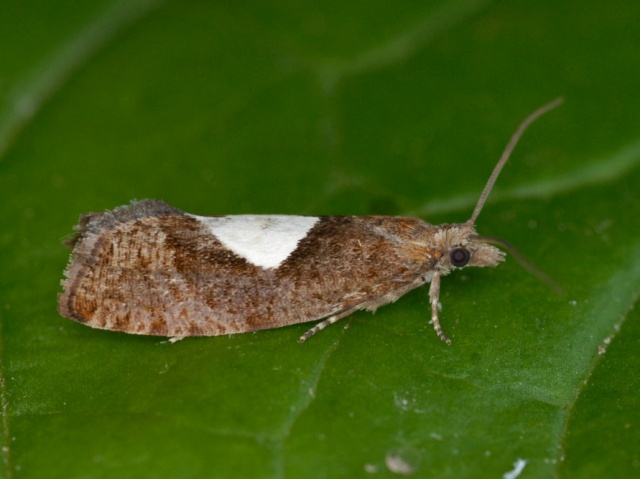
[[175, 339], [330, 320], [434, 295]]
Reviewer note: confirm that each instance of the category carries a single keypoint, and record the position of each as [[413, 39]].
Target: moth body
[[149, 268]]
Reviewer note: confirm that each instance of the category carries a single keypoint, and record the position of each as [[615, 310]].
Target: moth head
[[460, 246]]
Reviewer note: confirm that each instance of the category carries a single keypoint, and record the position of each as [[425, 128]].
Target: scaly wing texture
[[148, 268]]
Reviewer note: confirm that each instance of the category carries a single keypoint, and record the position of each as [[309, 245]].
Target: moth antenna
[[507, 153], [524, 262]]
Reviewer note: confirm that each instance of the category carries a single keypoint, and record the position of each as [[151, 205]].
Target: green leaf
[[331, 108]]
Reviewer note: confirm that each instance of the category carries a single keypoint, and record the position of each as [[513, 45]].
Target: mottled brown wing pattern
[[150, 269]]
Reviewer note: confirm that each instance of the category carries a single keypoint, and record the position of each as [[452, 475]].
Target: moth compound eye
[[459, 257]]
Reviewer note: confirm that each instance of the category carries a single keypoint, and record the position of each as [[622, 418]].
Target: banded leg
[[434, 296], [330, 320]]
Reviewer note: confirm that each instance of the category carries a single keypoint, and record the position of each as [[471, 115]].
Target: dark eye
[[459, 257]]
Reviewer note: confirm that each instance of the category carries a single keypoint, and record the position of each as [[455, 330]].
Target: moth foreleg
[[434, 296]]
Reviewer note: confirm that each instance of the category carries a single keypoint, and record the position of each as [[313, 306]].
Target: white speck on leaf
[[370, 468], [518, 467], [398, 462]]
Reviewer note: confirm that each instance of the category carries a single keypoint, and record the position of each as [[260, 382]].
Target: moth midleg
[[330, 320]]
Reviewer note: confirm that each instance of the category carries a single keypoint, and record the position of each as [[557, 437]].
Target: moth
[[149, 268]]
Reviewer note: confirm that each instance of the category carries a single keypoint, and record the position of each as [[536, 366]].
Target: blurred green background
[[388, 107]]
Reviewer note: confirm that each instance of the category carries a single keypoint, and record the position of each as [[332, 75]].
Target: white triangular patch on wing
[[265, 241]]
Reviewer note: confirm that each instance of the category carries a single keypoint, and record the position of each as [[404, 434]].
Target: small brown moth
[[149, 268]]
